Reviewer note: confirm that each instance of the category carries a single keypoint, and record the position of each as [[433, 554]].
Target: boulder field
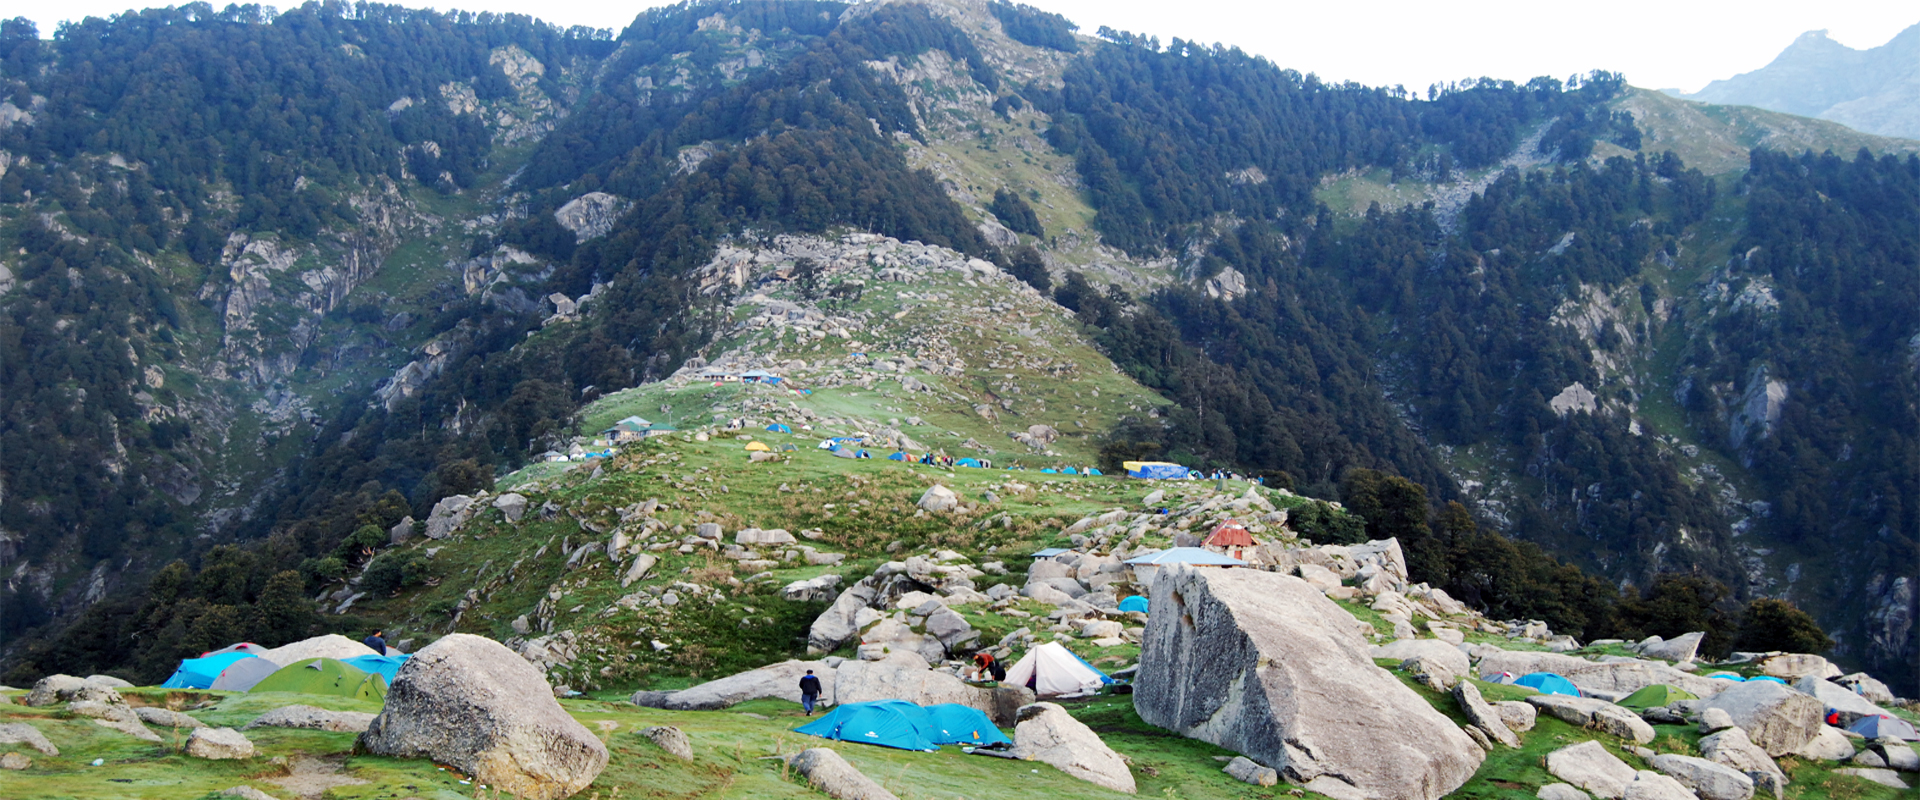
[[1265, 665]]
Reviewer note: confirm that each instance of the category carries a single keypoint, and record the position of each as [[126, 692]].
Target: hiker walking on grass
[[809, 691]]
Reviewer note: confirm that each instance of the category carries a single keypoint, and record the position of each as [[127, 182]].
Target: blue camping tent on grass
[[1880, 726], [897, 457], [779, 428], [967, 462], [953, 723], [1137, 602], [387, 666], [888, 723], [1548, 683], [198, 673]]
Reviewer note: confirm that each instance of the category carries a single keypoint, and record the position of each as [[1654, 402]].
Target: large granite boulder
[[1679, 648], [1708, 779], [833, 776], [1047, 733], [471, 703], [1484, 716], [1263, 664], [1589, 766], [839, 624], [67, 689], [775, 681], [903, 679], [1777, 718], [1434, 650], [1827, 745], [168, 718], [1732, 748], [1601, 715], [331, 645], [1794, 666], [22, 733]]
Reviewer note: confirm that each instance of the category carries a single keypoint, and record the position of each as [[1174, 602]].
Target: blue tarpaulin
[[1137, 602], [1156, 470], [198, 673]]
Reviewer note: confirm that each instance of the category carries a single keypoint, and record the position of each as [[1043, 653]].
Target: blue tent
[[897, 457], [387, 666], [967, 462], [953, 723], [1766, 678], [1092, 471], [1548, 683], [1068, 471], [1732, 676], [779, 428], [1049, 471], [888, 723], [198, 673], [1880, 726], [1137, 602]]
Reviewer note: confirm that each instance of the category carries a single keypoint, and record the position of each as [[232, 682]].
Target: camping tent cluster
[[310, 667], [905, 726]]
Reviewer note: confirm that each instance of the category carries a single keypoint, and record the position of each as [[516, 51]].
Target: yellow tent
[[759, 446]]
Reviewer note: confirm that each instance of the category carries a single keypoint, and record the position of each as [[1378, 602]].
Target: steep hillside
[[1868, 90]]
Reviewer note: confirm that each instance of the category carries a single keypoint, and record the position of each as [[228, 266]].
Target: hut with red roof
[[1231, 538]]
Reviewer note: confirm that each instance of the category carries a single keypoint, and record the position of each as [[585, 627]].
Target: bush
[[1769, 624], [392, 572]]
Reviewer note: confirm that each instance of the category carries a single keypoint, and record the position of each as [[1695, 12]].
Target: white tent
[[1051, 669]]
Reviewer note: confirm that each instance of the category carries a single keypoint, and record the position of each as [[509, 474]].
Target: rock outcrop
[[1047, 733], [311, 718], [219, 744], [1587, 712], [1589, 766], [1709, 780], [1263, 664], [471, 703], [67, 689], [671, 739], [22, 733]]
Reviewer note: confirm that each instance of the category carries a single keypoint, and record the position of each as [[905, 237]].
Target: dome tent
[[1658, 694], [199, 673], [952, 723], [324, 676], [1137, 602], [1548, 683], [887, 723], [1051, 669], [757, 447], [242, 675]]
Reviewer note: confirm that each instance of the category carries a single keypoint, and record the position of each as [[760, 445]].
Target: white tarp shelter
[[1051, 669]]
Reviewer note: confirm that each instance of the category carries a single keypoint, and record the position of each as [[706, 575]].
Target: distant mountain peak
[[1871, 90]]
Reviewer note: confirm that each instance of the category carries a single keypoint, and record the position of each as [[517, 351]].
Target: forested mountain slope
[[282, 281]]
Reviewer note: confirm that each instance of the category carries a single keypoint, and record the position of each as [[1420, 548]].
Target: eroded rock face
[[590, 215], [1263, 664], [1047, 733], [469, 702]]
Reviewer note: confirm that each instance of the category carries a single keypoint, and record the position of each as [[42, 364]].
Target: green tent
[[324, 676], [1659, 694]]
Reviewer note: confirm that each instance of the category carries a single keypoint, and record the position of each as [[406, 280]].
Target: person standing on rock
[[377, 642], [809, 691]]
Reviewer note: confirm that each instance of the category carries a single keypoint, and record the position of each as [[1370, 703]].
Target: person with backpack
[[809, 691]]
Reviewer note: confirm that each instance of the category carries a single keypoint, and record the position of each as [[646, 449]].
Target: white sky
[[1656, 43]]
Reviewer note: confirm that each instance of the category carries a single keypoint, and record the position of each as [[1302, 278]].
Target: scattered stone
[[166, 718], [1589, 766], [1483, 716], [671, 739], [1518, 714], [66, 689], [831, 774], [1714, 720], [1650, 785], [1678, 649], [22, 733], [938, 499], [1047, 733], [637, 571], [1309, 700], [512, 504], [15, 761], [1588, 712], [1245, 770], [1827, 745], [247, 793], [1884, 777], [1561, 791], [219, 744], [448, 515], [1708, 779], [471, 703], [311, 718], [1777, 718], [1732, 748]]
